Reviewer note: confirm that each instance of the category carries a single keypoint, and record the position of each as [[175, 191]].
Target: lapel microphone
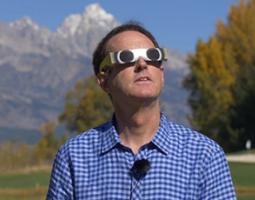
[[140, 168]]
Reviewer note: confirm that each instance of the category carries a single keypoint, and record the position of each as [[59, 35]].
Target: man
[[139, 154]]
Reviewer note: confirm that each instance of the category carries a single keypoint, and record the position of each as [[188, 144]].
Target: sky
[[177, 24]]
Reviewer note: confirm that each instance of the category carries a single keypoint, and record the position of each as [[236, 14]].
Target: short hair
[[100, 52]]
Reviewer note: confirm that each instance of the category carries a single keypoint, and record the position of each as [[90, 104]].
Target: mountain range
[[38, 67]]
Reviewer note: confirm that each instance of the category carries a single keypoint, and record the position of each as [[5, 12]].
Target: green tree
[[243, 115], [218, 75], [86, 106]]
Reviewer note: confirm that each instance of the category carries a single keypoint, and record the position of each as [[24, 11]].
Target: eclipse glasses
[[131, 55]]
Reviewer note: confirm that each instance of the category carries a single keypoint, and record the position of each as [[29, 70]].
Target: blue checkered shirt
[[184, 164]]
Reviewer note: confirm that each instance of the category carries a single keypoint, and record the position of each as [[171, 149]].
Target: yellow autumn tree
[[218, 74]]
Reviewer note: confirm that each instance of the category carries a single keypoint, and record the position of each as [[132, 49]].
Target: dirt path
[[248, 158]]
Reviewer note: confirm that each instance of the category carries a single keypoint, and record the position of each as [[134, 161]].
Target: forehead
[[128, 40]]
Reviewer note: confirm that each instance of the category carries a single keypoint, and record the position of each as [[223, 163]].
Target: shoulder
[[193, 137], [87, 142], [197, 149], [194, 143]]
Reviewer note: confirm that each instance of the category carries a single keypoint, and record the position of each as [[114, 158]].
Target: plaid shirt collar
[[165, 138]]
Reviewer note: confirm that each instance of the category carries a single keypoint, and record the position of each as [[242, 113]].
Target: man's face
[[140, 80]]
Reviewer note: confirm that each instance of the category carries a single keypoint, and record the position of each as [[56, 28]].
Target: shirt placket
[[135, 184]]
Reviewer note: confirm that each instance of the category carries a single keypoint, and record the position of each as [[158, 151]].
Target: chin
[[147, 93], [145, 96]]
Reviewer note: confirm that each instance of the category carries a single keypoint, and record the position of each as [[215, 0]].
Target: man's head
[[141, 79], [101, 51]]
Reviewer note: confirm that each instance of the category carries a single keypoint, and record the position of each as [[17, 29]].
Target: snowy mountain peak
[[25, 22], [94, 16], [94, 12], [70, 25]]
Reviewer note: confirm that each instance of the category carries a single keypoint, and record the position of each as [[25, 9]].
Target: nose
[[140, 64]]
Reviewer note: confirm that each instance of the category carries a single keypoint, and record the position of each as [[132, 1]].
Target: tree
[[243, 115], [219, 73], [86, 106], [210, 82], [46, 148]]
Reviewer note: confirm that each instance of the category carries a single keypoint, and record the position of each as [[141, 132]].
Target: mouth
[[143, 78]]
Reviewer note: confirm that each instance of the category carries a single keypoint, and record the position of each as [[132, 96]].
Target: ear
[[102, 80]]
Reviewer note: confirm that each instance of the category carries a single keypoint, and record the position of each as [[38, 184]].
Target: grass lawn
[[243, 175], [34, 185], [24, 186], [24, 180]]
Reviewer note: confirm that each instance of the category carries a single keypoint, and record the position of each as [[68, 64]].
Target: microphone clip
[[140, 168]]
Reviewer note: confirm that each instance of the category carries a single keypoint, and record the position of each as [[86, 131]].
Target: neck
[[137, 124]]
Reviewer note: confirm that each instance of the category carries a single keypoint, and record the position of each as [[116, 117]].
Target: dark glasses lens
[[153, 54], [126, 56]]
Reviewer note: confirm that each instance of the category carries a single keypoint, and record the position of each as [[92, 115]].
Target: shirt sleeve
[[217, 183], [61, 186]]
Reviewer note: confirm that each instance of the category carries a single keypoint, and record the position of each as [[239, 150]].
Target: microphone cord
[[138, 171]]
